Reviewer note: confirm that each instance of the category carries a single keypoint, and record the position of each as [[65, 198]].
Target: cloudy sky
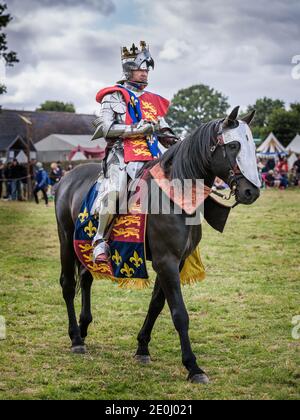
[[69, 49]]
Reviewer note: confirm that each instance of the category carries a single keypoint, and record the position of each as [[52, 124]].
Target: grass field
[[241, 316]]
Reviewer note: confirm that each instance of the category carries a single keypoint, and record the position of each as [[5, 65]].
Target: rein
[[234, 172]]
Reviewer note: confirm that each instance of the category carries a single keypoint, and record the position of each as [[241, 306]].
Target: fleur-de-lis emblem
[[136, 260], [127, 271], [83, 216], [117, 258], [90, 230]]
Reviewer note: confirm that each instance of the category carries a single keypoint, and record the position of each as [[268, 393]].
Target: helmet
[[135, 59]]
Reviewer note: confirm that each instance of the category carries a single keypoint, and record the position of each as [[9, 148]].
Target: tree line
[[200, 103]]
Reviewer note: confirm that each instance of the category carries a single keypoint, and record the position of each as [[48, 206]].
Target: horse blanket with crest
[[127, 241]]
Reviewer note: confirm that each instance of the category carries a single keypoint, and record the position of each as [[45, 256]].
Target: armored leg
[[111, 188]]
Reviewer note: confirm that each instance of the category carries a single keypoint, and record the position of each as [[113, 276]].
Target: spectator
[[270, 165], [270, 179], [274, 179], [42, 183], [296, 171], [1, 178], [282, 166], [69, 168], [282, 180], [16, 175], [55, 174]]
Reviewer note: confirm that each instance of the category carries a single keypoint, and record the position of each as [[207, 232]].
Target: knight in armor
[[131, 121]]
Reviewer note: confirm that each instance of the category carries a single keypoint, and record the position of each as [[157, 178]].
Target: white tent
[[58, 146], [79, 156], [271, 147], [294, 146], [291, 160]]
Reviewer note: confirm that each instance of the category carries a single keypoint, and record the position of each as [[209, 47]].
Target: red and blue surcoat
[[148, 106]]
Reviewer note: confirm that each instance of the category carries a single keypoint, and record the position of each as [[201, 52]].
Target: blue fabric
[[135, 112], [85, 230], [42, 178]]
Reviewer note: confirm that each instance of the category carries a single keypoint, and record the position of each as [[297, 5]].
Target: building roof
[[44, 123], [62, 142]]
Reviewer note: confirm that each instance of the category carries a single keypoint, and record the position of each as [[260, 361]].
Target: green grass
[[240, 317]]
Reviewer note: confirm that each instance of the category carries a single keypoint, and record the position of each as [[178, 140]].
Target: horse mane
[[191, 158]]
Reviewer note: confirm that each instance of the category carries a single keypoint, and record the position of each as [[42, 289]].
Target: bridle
[[234, 172]]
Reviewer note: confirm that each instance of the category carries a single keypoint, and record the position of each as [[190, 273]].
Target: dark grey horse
[[200, 156]]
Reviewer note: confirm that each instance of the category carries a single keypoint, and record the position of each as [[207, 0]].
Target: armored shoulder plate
[[116, 102]]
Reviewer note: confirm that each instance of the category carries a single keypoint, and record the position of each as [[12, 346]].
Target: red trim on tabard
[[103, 92]]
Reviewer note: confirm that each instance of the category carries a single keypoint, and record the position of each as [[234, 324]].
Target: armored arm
[[111, 122], [165, 134]]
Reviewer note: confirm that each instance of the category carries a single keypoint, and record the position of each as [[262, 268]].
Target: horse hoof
[[78, 350], [200, 378], [144, 360]]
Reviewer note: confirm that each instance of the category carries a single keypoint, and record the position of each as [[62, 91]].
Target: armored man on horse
[[132, 123]]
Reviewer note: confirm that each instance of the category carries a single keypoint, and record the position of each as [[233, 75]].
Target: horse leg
[[156, 306], [86, 315], [68, 284], [169, 278]]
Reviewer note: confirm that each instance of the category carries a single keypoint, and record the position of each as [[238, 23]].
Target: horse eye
[[233, 146]]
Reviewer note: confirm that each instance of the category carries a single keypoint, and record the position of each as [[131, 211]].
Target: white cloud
[[69, 53], [174, 49]]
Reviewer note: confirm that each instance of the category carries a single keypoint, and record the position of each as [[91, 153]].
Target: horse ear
[[249, 117], [230, 120]]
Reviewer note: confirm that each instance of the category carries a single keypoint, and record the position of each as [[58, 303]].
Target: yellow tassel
[[192, 272]]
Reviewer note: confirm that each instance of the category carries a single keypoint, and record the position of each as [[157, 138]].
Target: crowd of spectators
[[277, 174], [274, 173], [14, 177], [14, 180]]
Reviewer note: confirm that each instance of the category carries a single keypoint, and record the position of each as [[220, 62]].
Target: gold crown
[[133, 51]]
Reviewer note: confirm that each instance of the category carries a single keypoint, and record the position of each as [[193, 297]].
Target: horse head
[[233, 157]]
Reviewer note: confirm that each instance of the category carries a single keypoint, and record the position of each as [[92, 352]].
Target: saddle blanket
[[127, 241]]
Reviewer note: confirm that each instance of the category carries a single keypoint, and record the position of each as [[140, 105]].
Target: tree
[[192, 106], [264, 108], [9, 57], [284, 124], [57, 106], [295, 107]]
